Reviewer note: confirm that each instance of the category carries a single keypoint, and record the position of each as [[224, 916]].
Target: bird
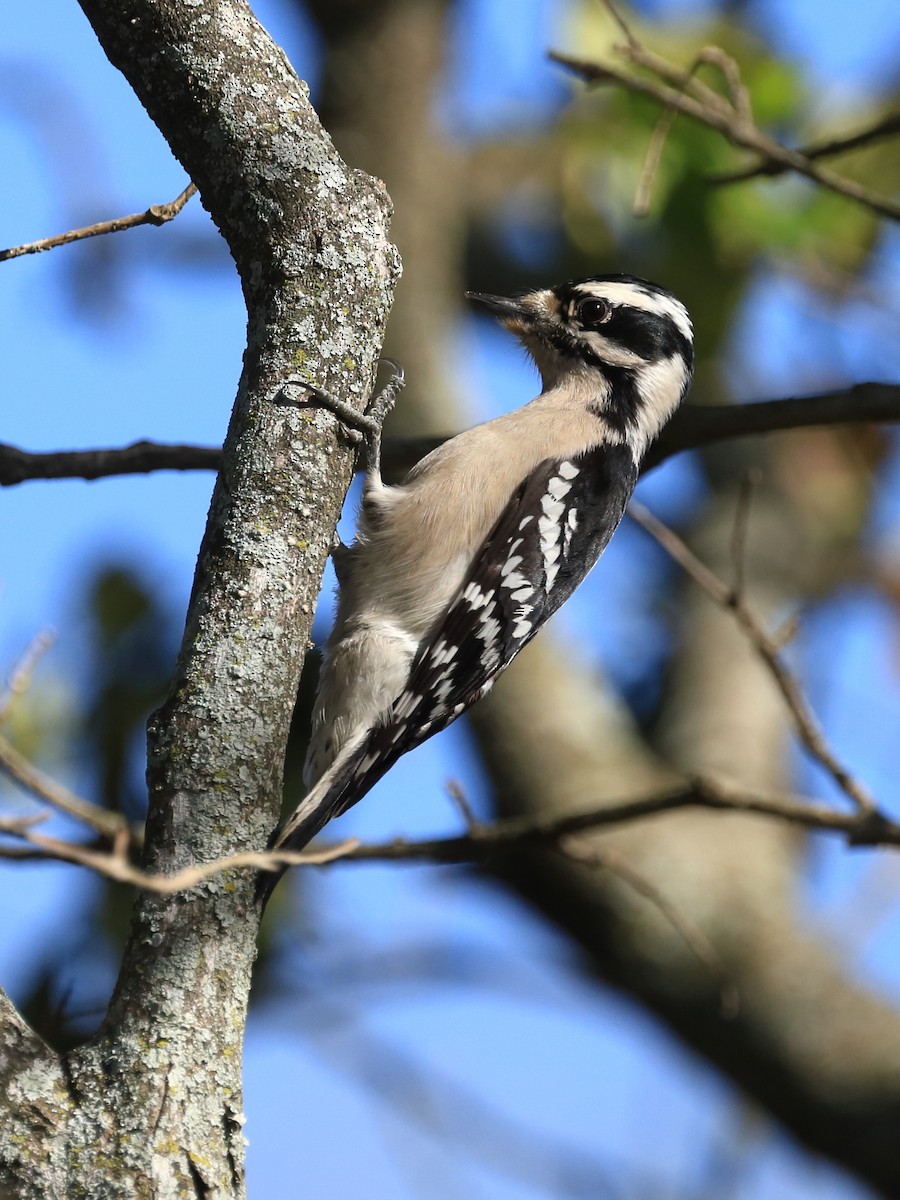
[[455, 570]]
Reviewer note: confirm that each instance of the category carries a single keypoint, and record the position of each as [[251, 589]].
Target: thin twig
[[624, 28], [860, 829], [709, 108], [156, 214], [740, 99], [461, 801], [786, 632], [19, 678], [16, 826], [116, 866], [738, 92], [652, 158], [483, 843], [885, 127], [808, 728], [681, 78], [17, 767], [693, 936]]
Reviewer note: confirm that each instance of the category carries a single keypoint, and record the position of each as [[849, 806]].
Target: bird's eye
[[593, 312]]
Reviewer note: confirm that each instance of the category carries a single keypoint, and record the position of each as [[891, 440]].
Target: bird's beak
[[503, 307]]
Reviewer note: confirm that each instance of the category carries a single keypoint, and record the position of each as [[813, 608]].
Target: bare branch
[[141, 458], [114, 864], [156, 214], [687, 95], [652, 159], [19, 678], [17, 826], [697, 425], [886, 127], [740, 99], [17, 767], [860, 829], [732, 600], [693, 426], [620, 21], [20, 1047], [479, 843], [462, 805], [19, 466]]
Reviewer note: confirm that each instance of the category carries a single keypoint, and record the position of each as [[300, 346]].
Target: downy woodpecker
[[454, 571]]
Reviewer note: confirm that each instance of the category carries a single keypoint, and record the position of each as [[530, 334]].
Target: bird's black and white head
[[618, 343]]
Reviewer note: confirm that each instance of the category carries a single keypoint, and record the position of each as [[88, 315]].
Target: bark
[[151, 1106], [395, 49]]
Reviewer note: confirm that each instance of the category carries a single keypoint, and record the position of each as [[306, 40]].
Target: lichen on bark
[[151, 1106]]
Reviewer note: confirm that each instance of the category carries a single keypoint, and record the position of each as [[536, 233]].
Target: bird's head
[[627, 342]]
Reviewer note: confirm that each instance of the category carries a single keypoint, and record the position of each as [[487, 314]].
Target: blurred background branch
[[680, 91]]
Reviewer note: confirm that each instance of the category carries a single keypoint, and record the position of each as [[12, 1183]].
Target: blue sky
[[483, 981]]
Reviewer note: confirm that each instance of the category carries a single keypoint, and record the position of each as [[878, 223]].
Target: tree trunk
[[152, 1106]]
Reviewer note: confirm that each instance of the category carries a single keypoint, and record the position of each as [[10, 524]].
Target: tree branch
[[309, 238], [481, 843], [31, 1086], [140, 458], [19, 678], [732, 600], [551, 738], [685, 94], [17, 767], [698, 425], [156, 214], [888, 126], [692, 427]]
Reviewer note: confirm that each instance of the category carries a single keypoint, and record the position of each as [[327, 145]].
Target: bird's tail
[[341, 786]]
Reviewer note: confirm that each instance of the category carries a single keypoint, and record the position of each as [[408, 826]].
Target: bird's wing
[[550, 534]]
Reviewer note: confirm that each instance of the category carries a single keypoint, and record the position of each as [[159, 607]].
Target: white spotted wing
[[551, 533]]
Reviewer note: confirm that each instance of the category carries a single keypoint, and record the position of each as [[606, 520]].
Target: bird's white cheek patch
[[660, 385], [612, 352]]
